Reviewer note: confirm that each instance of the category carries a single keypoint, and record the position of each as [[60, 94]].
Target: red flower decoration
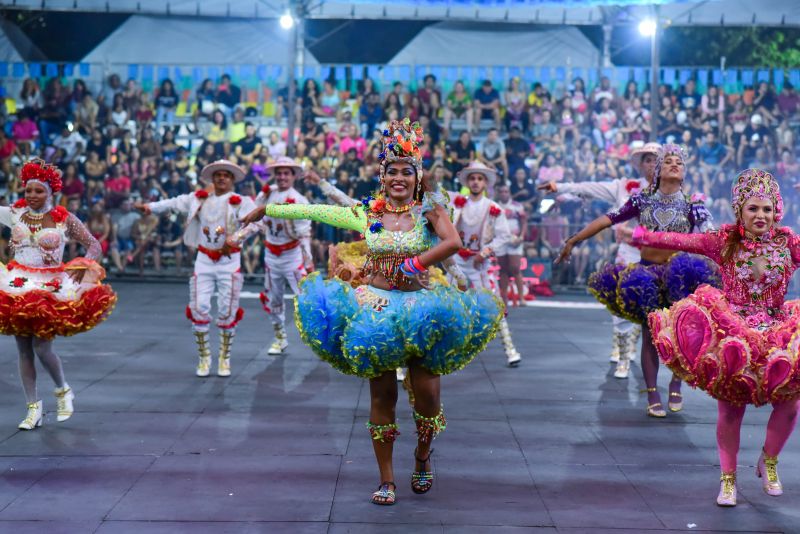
[[59, 214], [378, 205], [202, 194], [494, 211], [460, 201], [266, 189], [54, 285], [632, 186], [43, 172], [235, 200], [21, 203], [290, 200], [18, 281]]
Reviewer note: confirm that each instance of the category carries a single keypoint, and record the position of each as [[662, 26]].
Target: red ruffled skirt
[[711, 347], [47, 302]]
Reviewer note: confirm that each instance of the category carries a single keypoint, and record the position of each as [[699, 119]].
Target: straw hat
[[477, 167], [638, 154], [285, 161], [221, 165]]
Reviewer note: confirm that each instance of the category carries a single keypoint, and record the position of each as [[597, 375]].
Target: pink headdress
[[756, 183]]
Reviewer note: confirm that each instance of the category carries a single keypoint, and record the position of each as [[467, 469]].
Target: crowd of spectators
[[119, 144]]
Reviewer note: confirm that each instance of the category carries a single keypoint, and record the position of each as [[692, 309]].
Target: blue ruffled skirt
[[633, 291], [368, 331]]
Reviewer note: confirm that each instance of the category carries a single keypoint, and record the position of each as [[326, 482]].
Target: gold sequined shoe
[[34, 417], [767, 469], [656, 409], [727, 490], [204, 354], [225, 343], [64, 398]]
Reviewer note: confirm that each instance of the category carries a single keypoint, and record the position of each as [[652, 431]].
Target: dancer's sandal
[[677, 405], [656, 409], [384, 496], [422, 481]]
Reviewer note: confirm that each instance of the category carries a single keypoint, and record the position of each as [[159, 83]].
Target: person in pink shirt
[[353, 140], [551, 171], [25, 132]]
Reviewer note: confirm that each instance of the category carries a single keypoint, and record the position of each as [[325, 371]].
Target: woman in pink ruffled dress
[[739, 344]]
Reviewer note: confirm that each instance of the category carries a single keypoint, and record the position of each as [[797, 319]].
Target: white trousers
[[228, 287], [477, 277], [280, 271]]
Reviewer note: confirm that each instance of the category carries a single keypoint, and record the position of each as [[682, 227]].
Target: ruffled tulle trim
[[38, 313], [634, 291], [441, 330], [709, 346]]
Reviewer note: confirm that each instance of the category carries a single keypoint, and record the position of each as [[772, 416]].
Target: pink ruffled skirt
[[711, 347]]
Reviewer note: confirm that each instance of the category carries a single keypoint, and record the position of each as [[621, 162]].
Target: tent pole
[[290, 119], [654, 71]]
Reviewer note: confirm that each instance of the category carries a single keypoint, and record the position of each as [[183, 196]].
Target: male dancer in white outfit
[[213, 216], [616, 193], [287, 247], [483, 228]]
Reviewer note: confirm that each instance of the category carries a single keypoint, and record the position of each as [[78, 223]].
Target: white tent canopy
[[593, 12], [474, 44], [192, 40], [8, 52]]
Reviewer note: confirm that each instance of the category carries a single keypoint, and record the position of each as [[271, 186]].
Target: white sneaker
[[401, 374], [34, 417], [278, 346], [203, 366], [623, 368], [64, 398], [224, 367], [513, 357]]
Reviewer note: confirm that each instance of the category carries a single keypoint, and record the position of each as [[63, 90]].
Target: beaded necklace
[[402, 209]]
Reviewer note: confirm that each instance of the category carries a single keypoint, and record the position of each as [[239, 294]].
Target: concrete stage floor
[[557, 445]]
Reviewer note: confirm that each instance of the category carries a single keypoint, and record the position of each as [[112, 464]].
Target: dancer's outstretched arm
[[352, 218], [708, 243], [590, 230]]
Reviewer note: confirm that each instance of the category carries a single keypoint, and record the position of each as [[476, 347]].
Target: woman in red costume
[[740, 344], [40, 296]]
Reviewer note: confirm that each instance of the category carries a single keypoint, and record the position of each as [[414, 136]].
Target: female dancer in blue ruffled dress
[[661, 277], [396, 320]]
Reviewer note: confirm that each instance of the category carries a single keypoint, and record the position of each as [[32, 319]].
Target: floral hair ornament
[[669, 149], [401, 142], [43, 173], [756, 183]]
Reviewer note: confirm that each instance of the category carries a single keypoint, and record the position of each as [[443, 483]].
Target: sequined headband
[[401, 142], [670, 149], [756, 183]]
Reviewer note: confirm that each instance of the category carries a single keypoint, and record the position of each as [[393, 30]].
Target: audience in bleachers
[[118, 143]]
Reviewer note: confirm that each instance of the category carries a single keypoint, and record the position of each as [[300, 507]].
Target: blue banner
[[4, 69], [669, 76], [685, 76], [148, 71], [419, 73], [529, 75], [85, 69], [69, 70], [404, 73], [340, 72], [51, 69], [747, 77], [561, 74], [498, 74], [778, 78], [18, 70], [544, 75], [163, 73], [763, 76], [702, 77], [133, 71], [732, 77], [716, 76], [372, 72], [309, 71]]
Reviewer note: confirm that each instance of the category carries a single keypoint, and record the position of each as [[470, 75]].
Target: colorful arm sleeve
[[78, 232], [708, 244], [626, 212], [352, 218]]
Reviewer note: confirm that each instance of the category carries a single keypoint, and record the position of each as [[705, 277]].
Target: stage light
[[286, 21], [647, 27]]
